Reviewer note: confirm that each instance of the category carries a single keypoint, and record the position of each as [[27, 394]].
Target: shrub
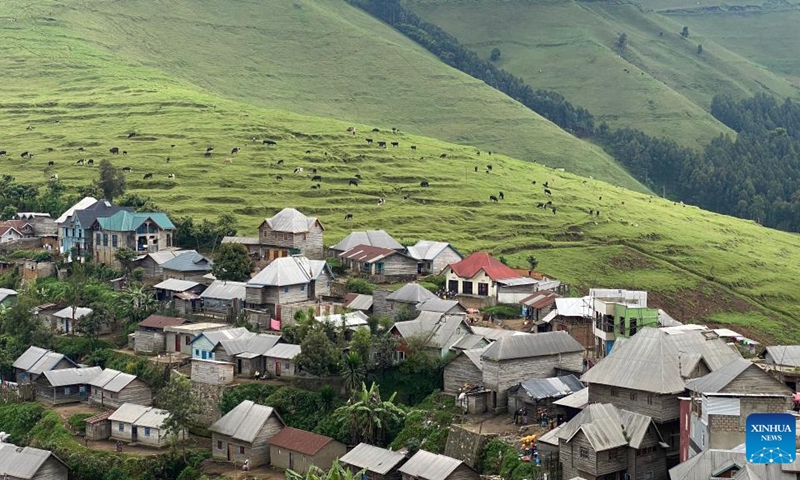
[[336, 266], [502, 311], [438, 280], [491, 458], [428, 424], [359, 285], [77, 422]]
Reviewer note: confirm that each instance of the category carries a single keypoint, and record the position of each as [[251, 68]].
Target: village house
[[432, 257], [203, 345], [372, 238], [179, 338], [425, 465], [28, 463], [379, 265], [299, 450], [182, 295], [619, 314], [464, 372], [77, 225], [98, 427], [538, 394], [152, 262], [376, 463], [287, 233], [487, 281], [605, 442], [286, 281], [714, 414], [7, 297], [358, 301], [140, 425], [247, 352], [540, 355], [437, 305], [35, 361], [44, 228], [150, 337], [244, 433], [112, 388], [68, 319], [718, 464], [212, 372], [573, 315], [537, 306], [9, 231], [187, 266], [280, 360], [224, 299], [648, 372], [141, 232], [67, 385], [402, 303], [784, 360], [439, 332]]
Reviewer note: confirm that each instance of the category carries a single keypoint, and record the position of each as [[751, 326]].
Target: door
[[452, 286], [66, 326], [278, 370], [239, 366], [230, 454], [82, 393], [134, 433], [291, 461], [177, 343]]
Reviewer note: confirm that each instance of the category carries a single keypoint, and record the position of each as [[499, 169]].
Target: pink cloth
[[274, 324]]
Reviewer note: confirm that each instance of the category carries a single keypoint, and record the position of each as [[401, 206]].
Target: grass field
[[321, 58], [659, 85]]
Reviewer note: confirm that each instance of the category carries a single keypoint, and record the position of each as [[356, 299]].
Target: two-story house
[[485, 278], [714, 414], [141, 232], [648, 372], [604, 442], [287, 233], [75, 229], [619, 314], [288, 280]]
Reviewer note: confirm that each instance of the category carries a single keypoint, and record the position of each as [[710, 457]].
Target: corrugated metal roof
[[440, 306], [29, 357], [630, 297], [495, 333], [48, 361], [291, 221], [786, 355], [242, 240], [80, 312], [664, 320], [162, 256], [607, 427], [128, 413], [375, 238], [301, 441], [495, 269], [577, 400], [294, 270], [474, 356], [516, 282], [574, 307], [554, 387], [225, 290], [440, 329], [125, 221], [617, 344], [551, 436], [413, 293], [104, 377], [250, 346], [196, 328], [189, 262], [283, 350], [719, 379], [244, 421], [706, 464], [153, 418], [351, 319], [175, 285], [368, 253], [85, 202], [6, 292], [360, 302], [71, 376], [540, 299], [216, 336], [19, 462], [372, 458], [100, 417], [160, 321], [429, 466], [428, 250], [119, 382], [469, 341], [533, 345]]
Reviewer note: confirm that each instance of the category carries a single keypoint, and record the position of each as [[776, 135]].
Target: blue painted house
[[141, 232], [75, 228], [203, 345]]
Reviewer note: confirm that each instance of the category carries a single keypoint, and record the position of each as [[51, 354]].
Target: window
[[196, 352], [241, 450], [98, 239], [219, 444], [633, 397], [286, 365], [466, 288], [379, 268], [67, 391], [121, 427], [452, 285], [286, 289], [302, 288], [146, 431], [169, 240], [105, 239], [645, 451], [114, 241], [584, 452], [650, 399], [648, 475], [483, 289], [615, 455], [632, 330], [613, 392]]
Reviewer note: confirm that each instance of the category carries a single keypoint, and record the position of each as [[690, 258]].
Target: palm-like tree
[[336, 472], [352, 371], [137, 303], [368, 416]]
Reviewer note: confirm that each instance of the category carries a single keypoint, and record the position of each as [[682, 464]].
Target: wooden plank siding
[[59, 395], [136, 392], [51, 469], [149, 341], [661, 408], [258, 451], [459, 372], [309, 243], [300, 462], [756, 380]]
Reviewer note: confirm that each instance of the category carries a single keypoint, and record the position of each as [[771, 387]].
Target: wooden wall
[[258, 452], [459, 372], [302, 462], [661, 408]]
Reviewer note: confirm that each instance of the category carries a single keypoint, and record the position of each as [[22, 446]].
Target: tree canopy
[[232, 262], [111, 180]]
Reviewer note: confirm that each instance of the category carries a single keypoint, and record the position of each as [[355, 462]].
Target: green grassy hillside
[[659, 84], [323, 58]]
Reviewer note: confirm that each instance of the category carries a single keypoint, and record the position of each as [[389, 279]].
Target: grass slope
[[323, 58], [569, 46]]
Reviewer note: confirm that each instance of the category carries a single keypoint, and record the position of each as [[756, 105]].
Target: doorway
[[291, 461], [177, 343], [278, 369], [134, 433], [230, 453], [239, 366]]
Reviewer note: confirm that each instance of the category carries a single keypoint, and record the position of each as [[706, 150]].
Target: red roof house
[[480, 274], [298, 450]]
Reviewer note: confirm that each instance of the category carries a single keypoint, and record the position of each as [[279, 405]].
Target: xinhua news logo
[[770, 438]]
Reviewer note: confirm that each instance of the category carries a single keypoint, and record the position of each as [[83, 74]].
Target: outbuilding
[[299, 450], [150, 337], [98, 427], [280, 360], [245, 433], [376, 463]]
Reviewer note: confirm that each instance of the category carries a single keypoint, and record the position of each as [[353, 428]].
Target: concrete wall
[[212, 373]]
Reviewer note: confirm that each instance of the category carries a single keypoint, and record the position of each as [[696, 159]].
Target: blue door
[[204, 354], [66, 326]]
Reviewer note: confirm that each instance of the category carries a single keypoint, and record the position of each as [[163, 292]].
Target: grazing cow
[[207, 154], [51, 163], [127, 169], [314, 187], [549, 203], [124, 152], [280, 162], [316, 178], [382, 144], [80, 162], [209, 149], [171, 176], [597, 213], [235, 150], [623, 203], [533, 182], [90, 162], [314, 170], [172, 146], [376, 130], [476, 169], [591, 211], [406, 197], [147, 176], [381, 201], [167, 160], [369, 140], [269, 142], [492, 198], [308, 152], [114, 150], [490, 152], [24, 154], [49, 149], [349, 216], [540, 205], [424, 184], [2, 152], [444, 155], [29, 128], [132, 134], [353, 182], [395, 144], [278, 177], [547, 191], [54, 176], [601, 199], [489, 167], [554, 210], [413, 147], [80, 149], [298, 170], [227, 161], [358, 176], [501, 196], [546, 185], [351, 130]]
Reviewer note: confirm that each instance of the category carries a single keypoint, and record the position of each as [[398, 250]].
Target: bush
[[336, 267], [255, 392], [428, 424], [491, 458], [437, 280], [77, 422], [359, 285], [78, 348], [503, 311]]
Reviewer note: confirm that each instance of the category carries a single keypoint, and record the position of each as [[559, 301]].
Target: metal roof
[[225, 290], [71, 376], [469, 341], [551, 436], [428, 250], [494, 269], [717, 380], [372, 458], [430, 466], [607, 427], [360, 302], [112, 380], [786, 355], [153, 418], [577, 400], [188, 262], [294, 270], [411, 293], [244, 421], [574, 307], [85, 202], [495, 333], [516, 282], [474, 356], [100, 417], [195, 328], [351, 320], [6, 292], [369, 254], [441, 329], [216, 336], [80, 312], [37, 360], [128, 413], [554, 387], [532, 345], [175, 285], [375, 238], [242, 240], [286, 351], [540, 299], [664, 320], [19, 462], [706, 464], [125, 221], [162, 256], [301, 441], [628, 297], [291, 221], [160, 321], [250, 346], [29, 357], [439, 305]]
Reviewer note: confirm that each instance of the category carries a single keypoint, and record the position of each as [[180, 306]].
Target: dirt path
[[227, 470]]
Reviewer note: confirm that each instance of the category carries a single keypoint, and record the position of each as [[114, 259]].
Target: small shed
[[150, 337], [245, 433], [538, 395], [280, 360], [573, 404], [137, 424], [376, 463], [183, 295], [68, 385], [112, 388], [67, 320], [98, 427], [425, 465], [299, 450]]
